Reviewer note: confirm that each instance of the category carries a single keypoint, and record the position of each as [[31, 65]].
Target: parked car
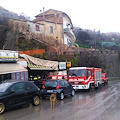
[[18, 93], [61, 87], [104, 78]]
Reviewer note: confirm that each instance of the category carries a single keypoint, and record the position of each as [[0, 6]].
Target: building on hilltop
[[53, 28], [57, 24]]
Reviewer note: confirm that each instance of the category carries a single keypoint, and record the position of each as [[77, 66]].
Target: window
[[48, 78], [61, 83], [51, 29], [88, 73], [18, 87], [91, 72], [69, 42], [66, 83], [50, 84], [37, 28], [77, 72], [29, 86]]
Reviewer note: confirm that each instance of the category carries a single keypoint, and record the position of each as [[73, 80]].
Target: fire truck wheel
[[107, 83], [98, 86], [90, 88]]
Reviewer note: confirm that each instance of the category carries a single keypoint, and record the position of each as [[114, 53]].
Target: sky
[[103, 15]]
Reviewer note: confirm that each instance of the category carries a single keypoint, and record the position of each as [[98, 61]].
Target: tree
[[22, 15], [82, 37]]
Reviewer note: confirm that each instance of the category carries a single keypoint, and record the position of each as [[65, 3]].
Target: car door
[[17, 94], [31, 91], [62, 84], [68, 87]]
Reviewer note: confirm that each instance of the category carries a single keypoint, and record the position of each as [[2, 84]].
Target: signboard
[[68, 64], [62, 65], [22, 62], [8, 55]]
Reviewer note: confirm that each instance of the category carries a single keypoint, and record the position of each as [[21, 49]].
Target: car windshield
[[103, 75], [50, 84], [4, 86], [77, 72]]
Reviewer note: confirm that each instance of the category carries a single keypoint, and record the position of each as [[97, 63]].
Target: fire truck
[[84, 77], [104, 78]]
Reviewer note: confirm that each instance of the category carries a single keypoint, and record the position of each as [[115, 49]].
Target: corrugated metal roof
[[11, 68]]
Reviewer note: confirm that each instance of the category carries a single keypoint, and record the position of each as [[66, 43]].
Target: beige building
[[56, 24]]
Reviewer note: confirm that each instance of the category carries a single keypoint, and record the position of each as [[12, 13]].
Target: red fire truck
[[84, 77], [104, 78]]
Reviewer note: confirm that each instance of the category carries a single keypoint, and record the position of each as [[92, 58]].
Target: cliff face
[[112, 65]]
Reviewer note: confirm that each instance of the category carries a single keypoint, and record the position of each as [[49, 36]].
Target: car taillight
[[43, 87], [43, 82], [58, 87]]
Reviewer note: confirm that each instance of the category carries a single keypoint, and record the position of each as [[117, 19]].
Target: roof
[[52, 16], [54, 77], [40, 63], [77, 68], [11, 68], [38, 67], [108, 43]]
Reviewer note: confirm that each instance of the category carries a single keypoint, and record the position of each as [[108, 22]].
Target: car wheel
[[2, 108], [61, 96], [36, 101], [107, 83], [73, 92]]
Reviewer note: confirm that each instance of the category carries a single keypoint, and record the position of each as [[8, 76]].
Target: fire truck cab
[[104, 78], [84, 77]]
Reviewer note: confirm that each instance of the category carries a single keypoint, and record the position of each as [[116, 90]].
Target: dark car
[[61, 87], [18, 93]]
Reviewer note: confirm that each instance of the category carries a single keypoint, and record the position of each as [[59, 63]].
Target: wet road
[[102, 104]]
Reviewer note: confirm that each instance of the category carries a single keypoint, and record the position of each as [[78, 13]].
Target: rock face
[[112, 65], [11, 41]]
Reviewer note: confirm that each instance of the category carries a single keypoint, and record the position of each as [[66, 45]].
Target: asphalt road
[[102, 104]]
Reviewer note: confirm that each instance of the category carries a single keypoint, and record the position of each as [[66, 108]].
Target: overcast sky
[[103, 15]]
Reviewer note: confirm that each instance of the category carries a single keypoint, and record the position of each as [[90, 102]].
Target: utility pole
[[43, 24], [43, 14], [95, 38]]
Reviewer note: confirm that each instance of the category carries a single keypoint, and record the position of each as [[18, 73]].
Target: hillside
[[7, 14]]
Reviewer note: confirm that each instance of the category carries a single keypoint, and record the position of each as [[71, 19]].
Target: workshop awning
[[11, 68], [38, 67], [40, 62]]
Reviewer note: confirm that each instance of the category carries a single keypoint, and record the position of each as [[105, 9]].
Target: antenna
[[43, 13]]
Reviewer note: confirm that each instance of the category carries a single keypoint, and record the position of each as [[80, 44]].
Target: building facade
[[54, 28], [57, 24]]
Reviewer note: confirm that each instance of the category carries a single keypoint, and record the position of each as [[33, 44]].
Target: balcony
[[70, 33]]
